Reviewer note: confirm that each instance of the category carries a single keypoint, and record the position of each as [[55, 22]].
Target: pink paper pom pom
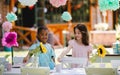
[[58, 3], [7, 26]]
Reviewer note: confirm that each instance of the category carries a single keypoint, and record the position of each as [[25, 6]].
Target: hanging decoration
[[28, 3], [66, 16], [108, 5], [58, 3], [11, 17], [6, 26]]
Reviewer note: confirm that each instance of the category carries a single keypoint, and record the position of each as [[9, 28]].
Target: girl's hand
[[25, 60], [59, 59]]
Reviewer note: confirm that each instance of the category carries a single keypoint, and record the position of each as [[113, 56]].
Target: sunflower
[[43, 48], [101, 51], [40, 48]]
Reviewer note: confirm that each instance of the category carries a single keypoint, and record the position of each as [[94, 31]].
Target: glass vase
[[101, 62], [35, 61]]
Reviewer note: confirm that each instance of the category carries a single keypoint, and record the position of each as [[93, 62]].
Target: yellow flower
[[43, 48], [101, 51], [40, 48]]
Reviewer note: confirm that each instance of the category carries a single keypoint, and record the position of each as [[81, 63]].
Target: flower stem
[[101, 59]]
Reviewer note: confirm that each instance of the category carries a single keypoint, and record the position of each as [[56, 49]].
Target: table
[[106, 38], [14, 71], [102, 68], [74, 71]]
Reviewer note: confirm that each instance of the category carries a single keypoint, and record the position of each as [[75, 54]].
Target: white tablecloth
[[75, 71], [13, 71]]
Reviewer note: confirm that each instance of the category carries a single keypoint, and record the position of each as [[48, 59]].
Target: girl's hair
[[83, 29], [40, 28]]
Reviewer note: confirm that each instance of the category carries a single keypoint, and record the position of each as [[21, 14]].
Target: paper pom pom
[[58, 3], [11, 17], [7, 26], [28, 3], [108, 5], [9, 39], [66, 16]]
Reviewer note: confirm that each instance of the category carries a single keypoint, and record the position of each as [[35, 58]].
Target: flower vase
[[35, 61], [101, 63]]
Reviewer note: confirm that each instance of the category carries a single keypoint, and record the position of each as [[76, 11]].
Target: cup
[[9, 66], [58, 67], [102, 65]]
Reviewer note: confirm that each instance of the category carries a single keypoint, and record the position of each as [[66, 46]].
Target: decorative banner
[[108, 5], [58, 3], [28, 2], [9, 39], [66, 16], [7, 26], [11, 17]]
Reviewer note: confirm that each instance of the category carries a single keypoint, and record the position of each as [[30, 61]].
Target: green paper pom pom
[[66, 16], [108, 5], [11, 17]]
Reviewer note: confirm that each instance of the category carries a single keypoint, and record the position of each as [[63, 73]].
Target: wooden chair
[[35, 71], [23, 32], [69, 62], [115, 63], [1, 69], [100, 71]]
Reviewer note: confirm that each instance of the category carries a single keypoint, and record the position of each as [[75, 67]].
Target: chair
[[18, 60], [69, 62], [1, 69], [2, 60], [35, 71], [100, 71], [115, 63]]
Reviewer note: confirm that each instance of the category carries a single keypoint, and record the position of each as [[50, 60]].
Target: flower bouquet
[[100, 52], [35, 52]]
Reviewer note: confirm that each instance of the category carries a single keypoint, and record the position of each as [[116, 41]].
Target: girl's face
[[43, 36], [78, 34]]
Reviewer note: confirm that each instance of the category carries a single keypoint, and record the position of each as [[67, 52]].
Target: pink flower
[[7, 26], [9, 39], [58, 3]]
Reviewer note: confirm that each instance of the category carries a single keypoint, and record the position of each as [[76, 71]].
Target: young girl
[[80, 45], [45, 59]]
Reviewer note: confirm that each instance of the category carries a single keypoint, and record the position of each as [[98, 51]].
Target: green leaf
[[6, 56], [93, 58]]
